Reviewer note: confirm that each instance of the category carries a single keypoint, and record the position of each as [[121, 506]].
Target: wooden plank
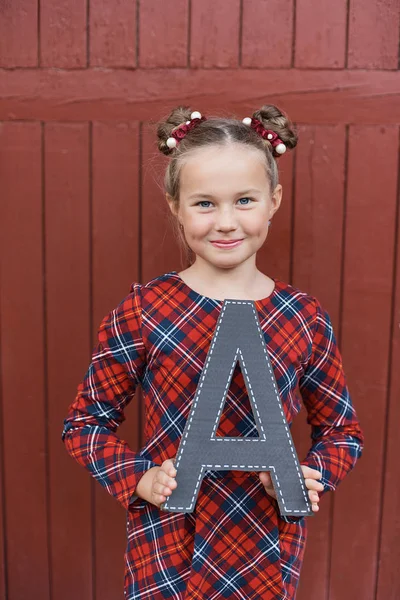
[[317, 257], [163, 33], [367, 301], [373, 34], [310, 96], [23, 356], [161, 251], [267, 30], [3, 535], [388, 584], [321, 34], [115, 267], [68, 343], [214, 33], [112, 33], [18, 34], [63, 34]]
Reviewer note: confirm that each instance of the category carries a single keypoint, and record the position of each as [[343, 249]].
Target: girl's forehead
[[235, 163]]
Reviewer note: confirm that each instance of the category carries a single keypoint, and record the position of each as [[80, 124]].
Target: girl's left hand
[[310, 475]]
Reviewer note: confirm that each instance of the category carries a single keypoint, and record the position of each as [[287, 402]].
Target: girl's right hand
[[157, 483]]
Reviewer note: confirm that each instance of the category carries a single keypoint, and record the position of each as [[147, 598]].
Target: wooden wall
[[83, 216]]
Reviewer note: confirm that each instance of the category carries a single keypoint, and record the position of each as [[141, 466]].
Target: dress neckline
[[190, 290]]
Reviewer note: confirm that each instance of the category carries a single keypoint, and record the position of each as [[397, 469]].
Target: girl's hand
[[157, 483], [310, 475]]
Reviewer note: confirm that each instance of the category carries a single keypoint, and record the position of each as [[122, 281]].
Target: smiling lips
[[226, 243]]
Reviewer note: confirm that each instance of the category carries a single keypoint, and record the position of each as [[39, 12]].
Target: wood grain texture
[[23, 362], [112, 33], [63, 33], [318, 97], [388, 584], [321, 29], [367, 300], [374, 34], [214, 33], [67, 259], [18, 33], [163, 38], [267, 34]]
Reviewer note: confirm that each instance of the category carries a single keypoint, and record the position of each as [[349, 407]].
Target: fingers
[[164, 482], [266, 480], [314, 486]]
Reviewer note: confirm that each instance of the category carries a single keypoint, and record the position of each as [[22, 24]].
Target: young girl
[[222, 188]]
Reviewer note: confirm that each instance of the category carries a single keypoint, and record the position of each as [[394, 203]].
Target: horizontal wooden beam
[[308, 95]]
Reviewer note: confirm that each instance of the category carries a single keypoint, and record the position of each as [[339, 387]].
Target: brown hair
[[221, 132]]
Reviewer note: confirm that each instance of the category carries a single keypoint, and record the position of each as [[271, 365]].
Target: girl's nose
[[226, 220]]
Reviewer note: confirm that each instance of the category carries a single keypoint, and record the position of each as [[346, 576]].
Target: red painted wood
[[23, 360], [214, 33], [267, 28], [68, 313], [160, 248], [18, 33], [115, 267], [112, 33], [163, 38], [373, 34], [321, 34], [368, 277], [63, 33], [388, 587], [3, 558], [309, 96], [317, 256]]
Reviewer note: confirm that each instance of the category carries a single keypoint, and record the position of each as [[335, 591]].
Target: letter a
[[238, 337]]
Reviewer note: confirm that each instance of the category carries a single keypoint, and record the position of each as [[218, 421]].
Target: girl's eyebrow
[[195, 195]]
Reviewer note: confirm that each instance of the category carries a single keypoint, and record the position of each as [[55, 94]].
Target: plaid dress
[[235, 544]]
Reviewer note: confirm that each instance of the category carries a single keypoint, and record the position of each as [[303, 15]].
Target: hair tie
[[179, 133], [267, 134]]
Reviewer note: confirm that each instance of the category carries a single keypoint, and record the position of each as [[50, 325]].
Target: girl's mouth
[[226, 244]]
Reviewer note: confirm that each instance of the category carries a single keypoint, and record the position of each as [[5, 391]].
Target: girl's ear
[[276, 198], [171, 204]]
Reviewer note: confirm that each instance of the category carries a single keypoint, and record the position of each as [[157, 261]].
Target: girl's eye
[[203, 202], [247, 201]]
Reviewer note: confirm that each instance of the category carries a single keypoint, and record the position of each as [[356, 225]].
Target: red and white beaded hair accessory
[[267, 134], [179, 133]]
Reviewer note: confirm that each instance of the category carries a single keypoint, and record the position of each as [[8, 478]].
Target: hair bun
[[178, 116], [273, 118]]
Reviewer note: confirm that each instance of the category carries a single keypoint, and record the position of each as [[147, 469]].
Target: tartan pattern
[[235, 544]]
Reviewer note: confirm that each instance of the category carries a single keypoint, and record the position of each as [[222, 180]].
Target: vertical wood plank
[[115, 267], [18, 33], [388, 584], [161, 252], [112, 33], [163, 33], [63, 33], [68, 343], [321, 34], [267, 32], [23, 352], [373, 34], [319, 197], [214, 33], [367, 301], [3, 535]]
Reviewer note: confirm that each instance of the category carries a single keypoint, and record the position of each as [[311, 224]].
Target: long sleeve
[[338, 440], [118, 363]]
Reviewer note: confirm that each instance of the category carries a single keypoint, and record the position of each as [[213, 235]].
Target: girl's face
[[225, 204]]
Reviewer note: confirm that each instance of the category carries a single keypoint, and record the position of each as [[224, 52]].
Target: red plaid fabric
[[235, 544]]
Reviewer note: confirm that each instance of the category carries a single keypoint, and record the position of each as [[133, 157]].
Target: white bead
[[247, 120], [171, 142], [280, 148], [270, 136], [195, 115], [187, 122]]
